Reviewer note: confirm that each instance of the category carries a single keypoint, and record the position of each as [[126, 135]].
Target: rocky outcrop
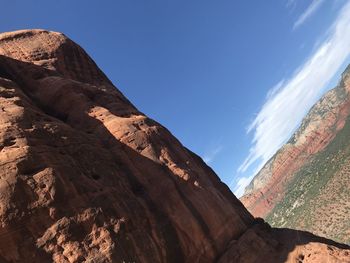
[[86, 177], [276, 192]]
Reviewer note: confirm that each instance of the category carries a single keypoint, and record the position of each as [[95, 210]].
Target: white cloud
[[241, 185], [243, 181], [310, 10], [209, 156], [288, 102]]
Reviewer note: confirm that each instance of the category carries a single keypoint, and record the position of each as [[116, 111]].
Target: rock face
[[86, 177], [306, 184]]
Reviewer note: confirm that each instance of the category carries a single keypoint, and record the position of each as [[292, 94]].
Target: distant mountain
[[306, 184]]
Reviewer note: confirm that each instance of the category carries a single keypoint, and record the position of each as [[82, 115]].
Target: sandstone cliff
[[306, 184], [86, 177]]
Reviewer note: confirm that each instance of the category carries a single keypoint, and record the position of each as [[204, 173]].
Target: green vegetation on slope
[[318, 197]]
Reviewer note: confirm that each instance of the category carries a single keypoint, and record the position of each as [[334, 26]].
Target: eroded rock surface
[[86, 177]]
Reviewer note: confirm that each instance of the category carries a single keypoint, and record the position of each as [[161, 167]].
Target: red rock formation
[[318, 130], [86, 177]]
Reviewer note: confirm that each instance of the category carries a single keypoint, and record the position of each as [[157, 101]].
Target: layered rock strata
[[306, 184]]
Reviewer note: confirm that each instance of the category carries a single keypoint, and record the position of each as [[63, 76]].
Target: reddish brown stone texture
[[86, 177]]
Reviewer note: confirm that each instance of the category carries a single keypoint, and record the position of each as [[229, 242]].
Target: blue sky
[[210, 71]]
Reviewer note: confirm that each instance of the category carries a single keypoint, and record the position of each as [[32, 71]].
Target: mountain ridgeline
[[306, 184]]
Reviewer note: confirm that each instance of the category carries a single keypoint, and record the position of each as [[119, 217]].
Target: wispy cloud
[[241, 185], [208, 157], [288, 102], [310, 10]]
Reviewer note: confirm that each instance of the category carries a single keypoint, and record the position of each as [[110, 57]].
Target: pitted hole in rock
[[137, 188], [4, 73], [9, 141], [7, 94], [95, 176], [30, 171], [58, 115], [30, 166]]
